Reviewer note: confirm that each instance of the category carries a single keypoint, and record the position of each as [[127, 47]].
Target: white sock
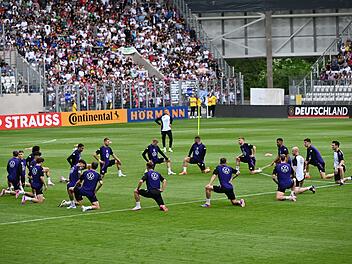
[[89, 207], [287, 197], [49, 179], [138, 204], [72, 203], [207, 201], [28, 198], [7, 191], [184, 169], [119, 172], [67, 203], [237, 167], [169, 170], [292, 193]]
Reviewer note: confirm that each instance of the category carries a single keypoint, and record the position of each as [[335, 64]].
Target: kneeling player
[[248, 156], [37, 184], [339, 164], [282, 177], [88, 185], [196, 155], [225, 175], [153, 180], [75, 174], [14, 170], [153, 150], [105, 152]]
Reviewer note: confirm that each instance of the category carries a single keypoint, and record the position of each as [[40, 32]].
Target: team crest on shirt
[[154, 176], [90, 176], [285, 169], [154, 153], [196, 151], [12, 163], [226, 170], [34, 171]]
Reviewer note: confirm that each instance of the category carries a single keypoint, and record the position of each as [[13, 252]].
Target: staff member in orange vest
[[193, 105]]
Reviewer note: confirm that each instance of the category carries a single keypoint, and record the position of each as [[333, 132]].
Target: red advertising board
[[21, 121]]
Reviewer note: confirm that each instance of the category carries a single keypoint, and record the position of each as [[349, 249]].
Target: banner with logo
[[21, 121], [150, 114], [315, 111], [99, 117]]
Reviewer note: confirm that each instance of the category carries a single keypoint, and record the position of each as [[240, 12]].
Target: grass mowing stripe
[[148, 207]]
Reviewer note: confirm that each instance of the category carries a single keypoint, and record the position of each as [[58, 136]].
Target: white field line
[[129, 209], [268, 175]]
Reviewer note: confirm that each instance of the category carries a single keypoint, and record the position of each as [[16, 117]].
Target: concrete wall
[[21, 104]]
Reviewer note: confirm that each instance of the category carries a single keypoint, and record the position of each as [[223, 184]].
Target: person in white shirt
[[298, 168], [165, 121]]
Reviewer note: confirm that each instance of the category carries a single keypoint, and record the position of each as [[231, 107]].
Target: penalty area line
[[148, 207]]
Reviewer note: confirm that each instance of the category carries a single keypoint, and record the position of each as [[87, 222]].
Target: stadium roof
[[263, 5]]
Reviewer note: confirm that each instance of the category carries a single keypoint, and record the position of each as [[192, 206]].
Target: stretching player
[[282, 177], [153, 180], [314, 158], [37, 183], [248, 156], [225, 175], [74, 158], [31, 160], [281, 150], [298, 169], [90, 182], [23, 172], [75, 174], [339, 164], [165, 121], [14, 170], [196, 155], [105, 152], [152, 150]]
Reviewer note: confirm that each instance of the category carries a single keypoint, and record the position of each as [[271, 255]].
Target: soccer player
[[105, 152], [14, 170], [24, 166], [225, 174], [196, 155], [314, 158], [282, 177], [339, 164], [153, 180], [165, 121], [281, 150], [90, 182], [152, 150], [248, 156], [30, 160], [75, 174], [37, 183], [76, 155]]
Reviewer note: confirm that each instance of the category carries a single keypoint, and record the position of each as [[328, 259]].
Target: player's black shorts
[[168, 133], [337, 173], [229, 192], [15, 184], [104, 168], [79, 193], [283, 188], [37, 191], [320, 166], [200, 164], [158, 161], [250, 162], [154, 194], [299, 183]]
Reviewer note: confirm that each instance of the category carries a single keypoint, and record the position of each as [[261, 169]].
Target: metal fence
[[324, 84], [139, 95]]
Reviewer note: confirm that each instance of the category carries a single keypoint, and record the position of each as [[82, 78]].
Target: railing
[[306, 86]]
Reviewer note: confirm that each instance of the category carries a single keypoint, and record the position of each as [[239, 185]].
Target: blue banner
[[150, 114]]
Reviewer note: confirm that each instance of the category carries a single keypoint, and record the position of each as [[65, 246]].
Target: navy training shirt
[[225, 173], [283, 171], [153, 180]]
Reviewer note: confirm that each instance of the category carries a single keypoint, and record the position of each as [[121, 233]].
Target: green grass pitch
[[315, 229]]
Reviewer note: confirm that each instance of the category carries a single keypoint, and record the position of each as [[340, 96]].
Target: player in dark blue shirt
[[156, 184], [247, 156], [196, 155], [14, 171], [314, 158], [24, 166], [281, 150], [225, 174], [283, 176], [37, 183], [88, 185], [75, 174], [102, 155], [76, 155], [150, 154]]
